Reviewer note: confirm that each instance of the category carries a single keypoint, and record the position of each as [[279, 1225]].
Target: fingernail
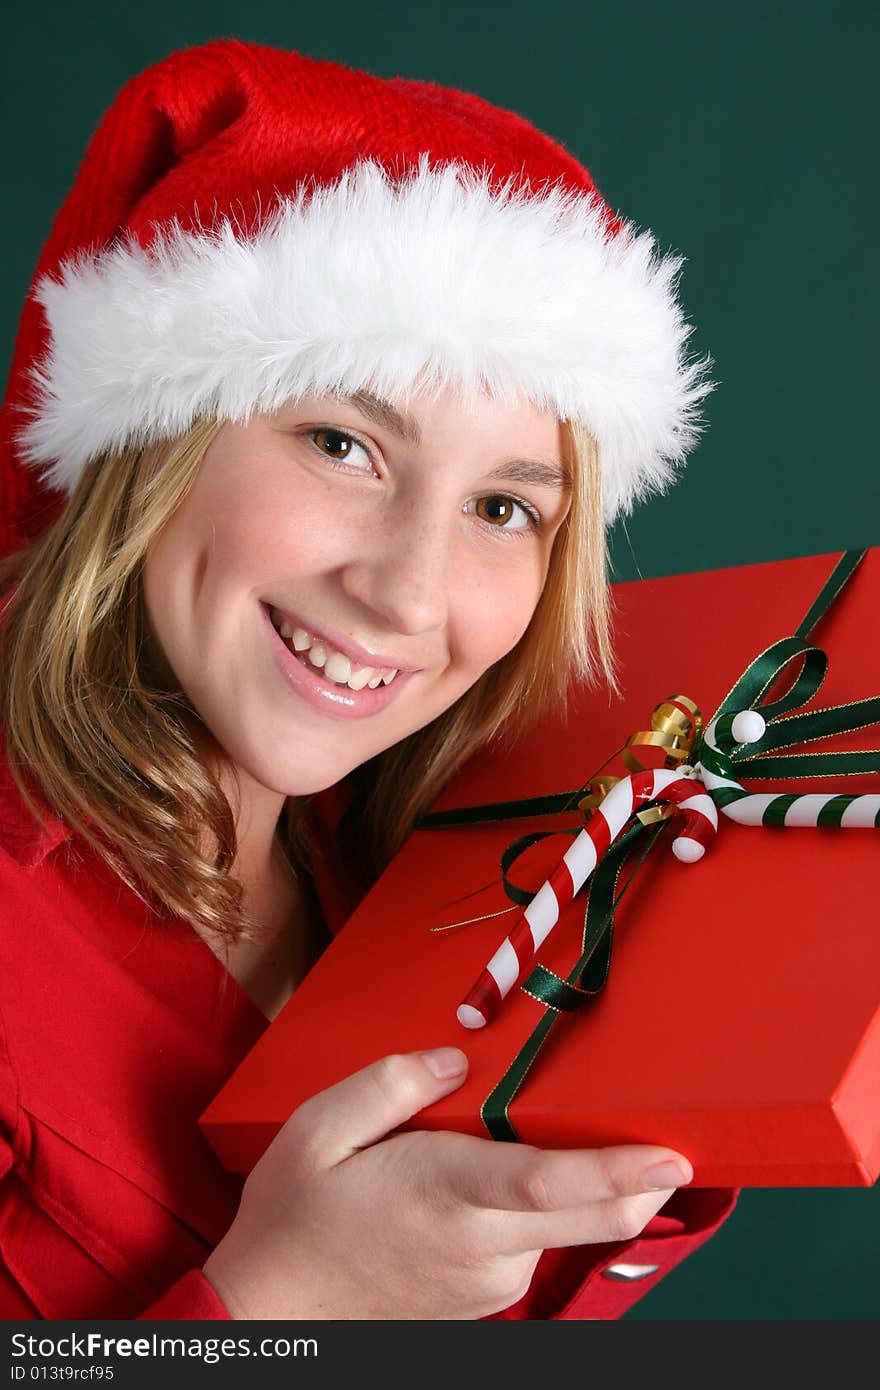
[[663, 1175], [444, 1062]]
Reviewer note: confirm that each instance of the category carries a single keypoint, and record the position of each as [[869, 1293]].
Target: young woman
[[325, 391]]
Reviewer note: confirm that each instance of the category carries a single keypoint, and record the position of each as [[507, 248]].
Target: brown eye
[[500, 512], [335, 441], [507, 516], [497, 510], [338, 446]]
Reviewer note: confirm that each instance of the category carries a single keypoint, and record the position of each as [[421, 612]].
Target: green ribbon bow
[[785, 729]]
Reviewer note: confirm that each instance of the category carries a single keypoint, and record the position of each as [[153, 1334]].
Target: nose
[[402, 572]]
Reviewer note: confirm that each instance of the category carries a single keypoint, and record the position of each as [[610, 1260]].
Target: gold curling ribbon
[[676, 724]]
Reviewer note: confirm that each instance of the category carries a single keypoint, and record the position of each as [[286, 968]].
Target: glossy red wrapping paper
[[741, 1020]]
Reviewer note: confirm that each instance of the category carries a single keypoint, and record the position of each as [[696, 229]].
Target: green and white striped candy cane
[[772, 808]]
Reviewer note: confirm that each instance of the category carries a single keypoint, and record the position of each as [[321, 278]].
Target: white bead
[[748, 726]]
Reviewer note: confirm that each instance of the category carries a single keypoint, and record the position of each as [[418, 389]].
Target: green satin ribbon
[[785, 729]]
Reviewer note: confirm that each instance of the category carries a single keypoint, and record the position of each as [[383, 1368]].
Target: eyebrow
[[381, 413], [542, 472]]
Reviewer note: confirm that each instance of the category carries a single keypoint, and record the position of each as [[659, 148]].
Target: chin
[[294, 776]]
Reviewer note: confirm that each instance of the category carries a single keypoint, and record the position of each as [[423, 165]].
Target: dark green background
[[745, 136]]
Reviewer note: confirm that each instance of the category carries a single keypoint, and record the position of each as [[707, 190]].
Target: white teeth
[[336, 666], [358, 679]]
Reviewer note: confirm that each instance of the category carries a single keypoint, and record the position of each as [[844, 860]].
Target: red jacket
[[115, 1032]]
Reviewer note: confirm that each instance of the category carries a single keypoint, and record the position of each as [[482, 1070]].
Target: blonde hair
[[94, 725]]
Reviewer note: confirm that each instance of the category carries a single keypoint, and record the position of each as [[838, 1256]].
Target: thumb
[[369, 1104]]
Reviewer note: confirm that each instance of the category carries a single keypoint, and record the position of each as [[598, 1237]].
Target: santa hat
[[250, 225]]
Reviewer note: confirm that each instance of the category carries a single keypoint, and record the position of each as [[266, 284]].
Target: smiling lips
[[334, 665]]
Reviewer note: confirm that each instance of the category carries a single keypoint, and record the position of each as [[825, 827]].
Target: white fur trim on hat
[[371, 284]]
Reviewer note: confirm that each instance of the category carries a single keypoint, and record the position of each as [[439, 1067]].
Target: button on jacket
[[116, 1030]]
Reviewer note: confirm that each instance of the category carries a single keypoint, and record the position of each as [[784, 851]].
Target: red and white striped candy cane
[[517, 952]]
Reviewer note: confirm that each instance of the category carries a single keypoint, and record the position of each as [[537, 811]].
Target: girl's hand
[[343, 1219]]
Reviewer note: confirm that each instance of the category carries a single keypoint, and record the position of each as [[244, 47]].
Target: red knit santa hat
[[250, 225]]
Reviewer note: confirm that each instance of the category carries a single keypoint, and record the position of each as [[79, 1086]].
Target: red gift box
[[740, 1024]]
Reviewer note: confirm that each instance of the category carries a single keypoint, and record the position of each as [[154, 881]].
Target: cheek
[[276, 536], [493, 615], [168, 580]]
